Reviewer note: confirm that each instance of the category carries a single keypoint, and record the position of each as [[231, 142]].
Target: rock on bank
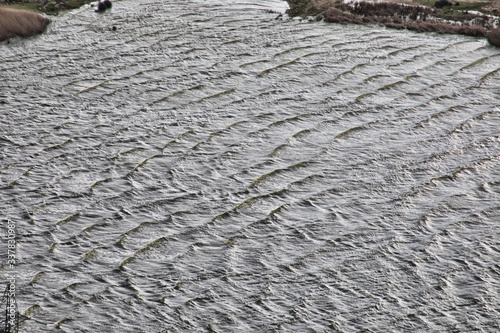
[[23, 23]]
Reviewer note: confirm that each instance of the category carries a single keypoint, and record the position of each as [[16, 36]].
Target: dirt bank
[[24, 23], [51, 7]]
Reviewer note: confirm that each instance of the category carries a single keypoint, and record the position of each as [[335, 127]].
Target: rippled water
[[211, 167]]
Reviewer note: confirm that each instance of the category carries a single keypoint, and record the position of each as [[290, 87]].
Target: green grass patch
[[33, 6], [50, 8]]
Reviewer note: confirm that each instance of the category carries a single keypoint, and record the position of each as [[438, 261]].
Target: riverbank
[[24, 18], [471, 18], [51, 7], [315, 7]]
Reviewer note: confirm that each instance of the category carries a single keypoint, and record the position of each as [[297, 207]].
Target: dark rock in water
[[101, 7], [442, 3], [494, 37], [107, 3]]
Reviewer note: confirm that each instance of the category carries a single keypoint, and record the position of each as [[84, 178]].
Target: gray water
[[212, 167]]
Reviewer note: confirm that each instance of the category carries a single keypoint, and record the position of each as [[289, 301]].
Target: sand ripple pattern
[[209, 168]]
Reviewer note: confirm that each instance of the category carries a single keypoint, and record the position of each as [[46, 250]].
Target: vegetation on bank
[[51, 7], [455, 8], [441, 16]]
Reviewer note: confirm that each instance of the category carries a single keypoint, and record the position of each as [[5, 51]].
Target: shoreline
[[302, 8], [306, 8], [470, 18], [49, 7]]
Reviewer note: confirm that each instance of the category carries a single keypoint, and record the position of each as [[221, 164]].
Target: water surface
[[210, 166]]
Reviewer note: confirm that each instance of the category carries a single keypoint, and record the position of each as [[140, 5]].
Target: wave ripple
[[210, 166]]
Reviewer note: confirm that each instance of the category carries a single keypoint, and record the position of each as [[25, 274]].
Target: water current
[[211, 166]]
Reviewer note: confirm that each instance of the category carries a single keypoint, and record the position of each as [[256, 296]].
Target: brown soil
[[15, 22]]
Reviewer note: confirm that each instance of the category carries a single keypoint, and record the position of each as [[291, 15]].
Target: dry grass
[[17, 22]]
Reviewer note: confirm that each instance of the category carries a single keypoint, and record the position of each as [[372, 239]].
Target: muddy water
[[210, 166]]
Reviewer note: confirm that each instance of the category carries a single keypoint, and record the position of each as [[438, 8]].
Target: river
[[212, 166]]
